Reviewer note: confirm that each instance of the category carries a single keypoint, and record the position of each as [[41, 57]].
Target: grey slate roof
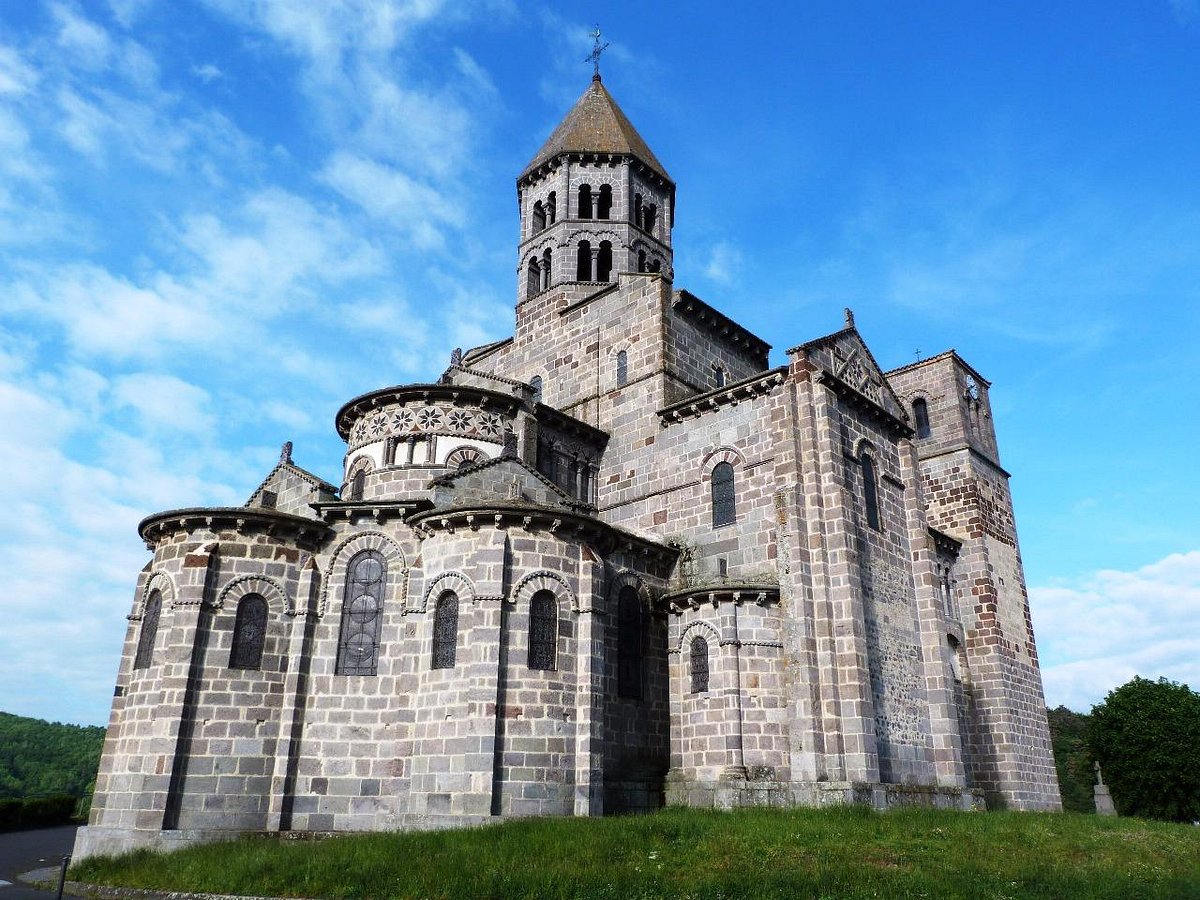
[[596, 124]]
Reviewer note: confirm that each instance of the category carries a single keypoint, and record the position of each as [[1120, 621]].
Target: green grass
[[833, 853]]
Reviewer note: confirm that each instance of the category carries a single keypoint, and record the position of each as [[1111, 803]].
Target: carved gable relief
[[848, 359]]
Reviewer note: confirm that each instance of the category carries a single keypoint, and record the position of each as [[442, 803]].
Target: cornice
[[153, 529], [561, 522], [730, 395], [894, 426], [715, 594]]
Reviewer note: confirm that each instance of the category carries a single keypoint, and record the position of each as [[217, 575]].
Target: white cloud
[[16, 75], [725, 262], [84, 42], [207, 72], [1097, 633], [387, 193], [164, 401]]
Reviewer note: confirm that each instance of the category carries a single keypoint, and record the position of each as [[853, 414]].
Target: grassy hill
[[831, 853], [39, 759]]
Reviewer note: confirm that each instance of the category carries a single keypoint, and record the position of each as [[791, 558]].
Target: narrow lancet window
[[870, 491], [249, 633], [649, 215], [358, 484], [585, 201], [551, 208], [536, 383], [445, 631], [622, 368], [533, 278], [539, 217], [637, 210], [583, 261], [145, 647], [604, 261], [546, 260], [921, 417], [362, 610], [724, 510], [629, 644], [604, 202], [699, 661], [543, 631], [719, 376]]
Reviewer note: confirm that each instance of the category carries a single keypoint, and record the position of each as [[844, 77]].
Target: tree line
[[40, 759], [1146, 737]]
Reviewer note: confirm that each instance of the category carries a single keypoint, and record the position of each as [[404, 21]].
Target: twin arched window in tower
[[544, 214], [593, 265], [538, 273], [595, 204]]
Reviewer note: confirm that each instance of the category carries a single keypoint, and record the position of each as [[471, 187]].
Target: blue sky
[[220, 219]]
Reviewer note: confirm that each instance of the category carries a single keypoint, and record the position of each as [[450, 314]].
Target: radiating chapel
[[614, 561]]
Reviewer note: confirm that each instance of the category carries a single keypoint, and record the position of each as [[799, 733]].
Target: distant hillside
[[40, 758]]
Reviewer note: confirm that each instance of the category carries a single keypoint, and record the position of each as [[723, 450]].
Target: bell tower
[[594, 201]]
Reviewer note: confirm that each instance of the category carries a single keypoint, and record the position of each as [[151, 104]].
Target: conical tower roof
[[596, 124]]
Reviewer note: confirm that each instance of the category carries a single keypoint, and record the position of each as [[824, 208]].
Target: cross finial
[[917, 354], [597, 49]]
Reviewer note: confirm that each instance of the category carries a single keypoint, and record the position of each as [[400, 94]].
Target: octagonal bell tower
[[594, 201]]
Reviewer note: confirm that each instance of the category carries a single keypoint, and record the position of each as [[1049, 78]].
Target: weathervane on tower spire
[[597, 49]]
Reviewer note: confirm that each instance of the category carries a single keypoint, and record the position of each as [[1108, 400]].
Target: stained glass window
[[249, 633], [362, 609], [445, 631], [543, 631], [145, 647], [622, 368], [699, 665], [723, 510], [629, 644]]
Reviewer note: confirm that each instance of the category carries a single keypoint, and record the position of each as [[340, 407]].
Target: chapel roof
[[596, 124]]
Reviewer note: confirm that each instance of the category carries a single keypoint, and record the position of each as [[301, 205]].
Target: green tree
[[1072, 759], [1146, 735]]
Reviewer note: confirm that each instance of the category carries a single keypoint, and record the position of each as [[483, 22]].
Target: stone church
[[614, 561]]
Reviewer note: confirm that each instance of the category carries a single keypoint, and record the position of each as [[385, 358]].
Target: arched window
[[551, 208], [719, 376], [445, 631], [362, 610], [921, 417], [723, 505], [145, 647], [604, 202], [543, 631], [546, 258], [533, 277], [583, 261], [870, 490], [656, 266], [249, 633], [699, 660], [358, 484], [637, 210], [641, 260], [622, 368], [536, 383], [629, 644], [585, 201], [539, 217], [604, 261], [649, 215], [547, 460]]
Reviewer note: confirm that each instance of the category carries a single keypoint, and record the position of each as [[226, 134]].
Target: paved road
[[23, 851]]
